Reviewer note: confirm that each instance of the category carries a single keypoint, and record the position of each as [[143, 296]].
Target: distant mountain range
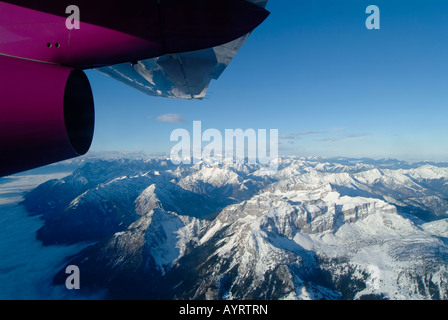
[[315, 229]]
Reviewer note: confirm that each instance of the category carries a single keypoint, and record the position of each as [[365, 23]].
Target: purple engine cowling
[[46, 114]]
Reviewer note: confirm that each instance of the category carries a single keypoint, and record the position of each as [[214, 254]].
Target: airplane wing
[[184, 75], [170, 48]]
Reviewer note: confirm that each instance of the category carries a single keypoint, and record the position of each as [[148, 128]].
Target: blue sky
[[313, 71]]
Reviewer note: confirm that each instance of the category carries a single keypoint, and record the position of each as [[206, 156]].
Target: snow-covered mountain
[[315, 229]]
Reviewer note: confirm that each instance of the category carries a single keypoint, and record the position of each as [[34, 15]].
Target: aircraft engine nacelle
[[46, 114]]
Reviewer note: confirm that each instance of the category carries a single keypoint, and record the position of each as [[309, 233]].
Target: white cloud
[[298, 135], [344, 137], [327, 139], [171, 118]]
